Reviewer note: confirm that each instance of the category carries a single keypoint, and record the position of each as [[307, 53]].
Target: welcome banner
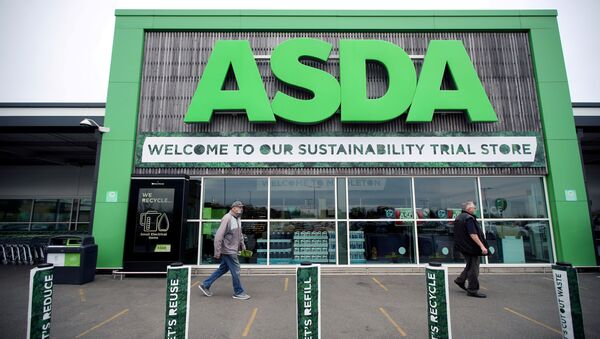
[[340, 151]]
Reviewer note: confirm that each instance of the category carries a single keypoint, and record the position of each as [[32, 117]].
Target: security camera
[[94, 124]]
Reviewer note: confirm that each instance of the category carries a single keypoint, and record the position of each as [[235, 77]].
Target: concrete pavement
[[359, 306]]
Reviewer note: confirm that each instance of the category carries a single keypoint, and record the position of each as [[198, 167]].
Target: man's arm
[[219, 236], [475, 238], [242, 246], [472, 229]]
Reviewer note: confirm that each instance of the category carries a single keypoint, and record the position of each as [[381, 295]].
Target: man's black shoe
[[476, 295], [461, 285]]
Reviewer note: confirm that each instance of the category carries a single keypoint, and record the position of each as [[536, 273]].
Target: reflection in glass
[[190, 242], [84, 227], [341, 198], [14, 226], [513, 197], [193, 200], [15, 210], [436, 242], [45, 210], [255, 235], [209, 229], [62, 227], [85, 206], [381, 242], [342, 243], [296, 242], [516, 242], [220, 193], [379, 198], [302, 198], [442, 198]]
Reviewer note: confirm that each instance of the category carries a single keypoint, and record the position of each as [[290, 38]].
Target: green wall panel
[[122, 103], [538, 22], [557, 115], [109, 233], [116, 163], [404, 23], [564, 162], [127, 55], [547, 52], [477, 23], [576, 245]]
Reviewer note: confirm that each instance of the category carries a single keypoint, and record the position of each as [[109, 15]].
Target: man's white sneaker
[[242, 296], [205, 290]]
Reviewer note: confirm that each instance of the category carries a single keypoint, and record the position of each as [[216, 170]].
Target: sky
[[60, 50]]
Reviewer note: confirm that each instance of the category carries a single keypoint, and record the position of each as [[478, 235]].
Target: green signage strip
[[41, 287], [507, 149], [438, 308], [308, 301], [566, 286], [350, 94], [178, 301]]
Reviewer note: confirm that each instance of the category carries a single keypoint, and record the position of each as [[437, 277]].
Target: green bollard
[[566, 287], [438, 309], [39, 313], [308, 301], [178, 301]]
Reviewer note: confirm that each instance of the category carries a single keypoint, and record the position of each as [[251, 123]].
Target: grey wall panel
[[174, 61]]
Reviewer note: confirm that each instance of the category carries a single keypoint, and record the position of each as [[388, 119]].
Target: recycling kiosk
[[74, 258]]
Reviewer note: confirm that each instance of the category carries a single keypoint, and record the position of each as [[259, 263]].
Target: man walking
[[469, 240], [228, 241]]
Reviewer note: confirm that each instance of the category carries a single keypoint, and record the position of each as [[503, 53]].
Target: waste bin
[[74, 258]]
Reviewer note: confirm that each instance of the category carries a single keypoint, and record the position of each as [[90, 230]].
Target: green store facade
[[352, 137]]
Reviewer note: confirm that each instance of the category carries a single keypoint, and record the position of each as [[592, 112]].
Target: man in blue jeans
[[228, 241]]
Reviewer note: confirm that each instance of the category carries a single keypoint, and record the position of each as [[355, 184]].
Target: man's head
[[470, 207], [237, 207]]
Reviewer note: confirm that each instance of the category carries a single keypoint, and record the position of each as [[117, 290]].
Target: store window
[[298, 241], [380, 198], [438, 202], [384, 233], [255, 237], [15, 214], [373, 220], [381, 242], [526, 239], [45, 215], [514, 197], [220, 193], [302, 198]]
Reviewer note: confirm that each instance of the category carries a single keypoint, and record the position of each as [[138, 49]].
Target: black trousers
[[470, 273]]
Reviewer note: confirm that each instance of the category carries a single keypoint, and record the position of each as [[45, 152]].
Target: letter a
[[469, 95], [210, 96]]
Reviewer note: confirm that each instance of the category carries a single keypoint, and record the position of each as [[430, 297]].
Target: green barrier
[[308, 301], [178, 300], [566, 287], [39, 314], [438, 307]]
